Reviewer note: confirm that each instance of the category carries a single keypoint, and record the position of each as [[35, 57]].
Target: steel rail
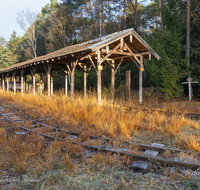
[[141, 146], [164, 162], [166, 112]]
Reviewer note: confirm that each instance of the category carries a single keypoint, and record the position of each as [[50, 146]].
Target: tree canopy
[[162, 23]]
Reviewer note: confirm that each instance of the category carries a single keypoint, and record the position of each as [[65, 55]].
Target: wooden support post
[[33, 76], [99, 78], [48, 84], [48, 71], [140, 80], [128, 85], [25, 84], [14, 84], [22, 81], [112, 83], [33, 71], [66, 84], [51, 85], [7, 82], [3, 82], [85, 80], [72, 80], [22, 85]]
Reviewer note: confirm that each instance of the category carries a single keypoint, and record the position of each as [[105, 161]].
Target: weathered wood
[[92, 63], [116, 52], [189, 79], [72, 82], [127, 46], [128, 85], [51, 85], [22, 81], [102, 60], [3, 82], [25, 84], [33, 78], [118, 65], [121, 57], [7, 82], [135, 63], [112, 83], [66, 84], [98, 79], [14, 84], [33, 71], [111, 65], [85, 80], [22, 85], [48, 84], [140, 85], [48, 71]]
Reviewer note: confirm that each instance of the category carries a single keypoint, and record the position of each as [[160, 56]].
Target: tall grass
[[85, 116]]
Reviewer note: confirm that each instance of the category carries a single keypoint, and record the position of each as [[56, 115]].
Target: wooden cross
[[189, 79]]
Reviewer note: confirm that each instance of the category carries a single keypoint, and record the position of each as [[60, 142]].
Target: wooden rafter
[[119, 65], [110, 53], [127, 46], [135, 63], [116, 52], [92, 62]]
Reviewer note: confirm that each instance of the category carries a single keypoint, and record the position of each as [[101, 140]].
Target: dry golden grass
[[86, 117], [190, 142]]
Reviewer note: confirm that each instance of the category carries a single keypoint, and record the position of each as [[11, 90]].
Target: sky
[[9, 11]]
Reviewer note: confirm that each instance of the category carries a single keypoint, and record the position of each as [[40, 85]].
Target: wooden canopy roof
[[110, 46]]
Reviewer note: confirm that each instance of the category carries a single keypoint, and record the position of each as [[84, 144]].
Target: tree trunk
[[124, 14], [135, 15], [188, 34], [109, 11], [102, 18], [91, 9]]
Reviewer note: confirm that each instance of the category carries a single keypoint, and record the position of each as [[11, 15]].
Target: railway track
[[146, 153], [187, 115]]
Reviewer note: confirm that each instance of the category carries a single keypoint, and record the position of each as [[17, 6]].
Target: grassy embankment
[[34, 156]]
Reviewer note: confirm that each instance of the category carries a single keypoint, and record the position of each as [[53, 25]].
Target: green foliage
[[65, 23], [166, 72]]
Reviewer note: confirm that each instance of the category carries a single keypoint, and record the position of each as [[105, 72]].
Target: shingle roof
[[91, 46]]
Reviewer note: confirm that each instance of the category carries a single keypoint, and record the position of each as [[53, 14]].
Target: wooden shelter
[[111, 50]]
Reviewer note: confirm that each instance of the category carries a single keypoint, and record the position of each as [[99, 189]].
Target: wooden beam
[[89, 70], [127, 46], [109, 63], [110, 53], [92, 63], [119, 65], [120, 57], [135, 63], [116, 52]]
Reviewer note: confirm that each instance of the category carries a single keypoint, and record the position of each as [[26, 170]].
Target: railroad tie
[[142, 165], [153, 153]]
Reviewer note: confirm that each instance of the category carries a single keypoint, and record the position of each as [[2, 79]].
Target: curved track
[[122, 152]]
